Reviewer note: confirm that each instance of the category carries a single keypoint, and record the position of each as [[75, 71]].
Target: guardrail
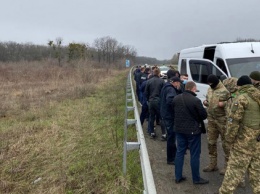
[[149, 186]]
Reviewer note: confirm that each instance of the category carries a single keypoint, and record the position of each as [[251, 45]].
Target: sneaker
[[201, 181], [164, 138], [153, 135], [180, 180]]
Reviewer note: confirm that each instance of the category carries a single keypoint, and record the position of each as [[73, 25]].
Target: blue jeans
[[171, 144], [194, 144]]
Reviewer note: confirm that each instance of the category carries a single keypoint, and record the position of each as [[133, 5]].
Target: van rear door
[[198, 71]]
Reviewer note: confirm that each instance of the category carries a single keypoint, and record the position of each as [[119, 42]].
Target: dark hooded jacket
[[167, 95]]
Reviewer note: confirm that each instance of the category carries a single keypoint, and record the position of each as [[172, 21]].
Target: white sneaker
[[153, 135]]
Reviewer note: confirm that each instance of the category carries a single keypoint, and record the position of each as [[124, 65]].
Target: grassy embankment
[[61, 130]]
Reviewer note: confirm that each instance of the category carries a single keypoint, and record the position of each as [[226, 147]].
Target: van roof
[[231, 50], [240, 49]]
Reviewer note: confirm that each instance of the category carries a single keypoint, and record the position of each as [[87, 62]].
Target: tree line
[[104, 50]]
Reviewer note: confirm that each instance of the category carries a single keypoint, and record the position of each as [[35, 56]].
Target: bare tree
[[58, 49]]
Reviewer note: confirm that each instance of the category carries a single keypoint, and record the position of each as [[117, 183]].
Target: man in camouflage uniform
[[216, 98], [255, 78], [243, 133], [231, 85]]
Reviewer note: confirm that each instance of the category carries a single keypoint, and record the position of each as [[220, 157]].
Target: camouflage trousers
[[216, 127], [238, 164]]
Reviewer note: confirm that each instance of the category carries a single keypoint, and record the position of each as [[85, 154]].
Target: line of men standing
[[233, 114]]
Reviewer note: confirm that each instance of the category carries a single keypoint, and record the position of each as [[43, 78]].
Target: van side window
[[183, 67], [221, 65], [200, 70]]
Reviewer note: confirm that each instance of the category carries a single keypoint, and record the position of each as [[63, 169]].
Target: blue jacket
[[167, 95]]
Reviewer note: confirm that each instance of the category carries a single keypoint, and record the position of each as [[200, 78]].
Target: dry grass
[[61, 130], [30, 85]]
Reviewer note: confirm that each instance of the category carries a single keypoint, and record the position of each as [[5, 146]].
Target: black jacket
[[167, 94], [143, 77], [153, 88], [187, 118]]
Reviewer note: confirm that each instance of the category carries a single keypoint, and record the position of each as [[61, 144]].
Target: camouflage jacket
[[257, 86], [214, 96], [243, 125]]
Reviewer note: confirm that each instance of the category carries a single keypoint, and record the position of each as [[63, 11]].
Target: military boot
[[211, 167]]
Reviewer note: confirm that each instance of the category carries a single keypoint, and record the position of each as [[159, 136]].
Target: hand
[[205, 103], [221, 104]]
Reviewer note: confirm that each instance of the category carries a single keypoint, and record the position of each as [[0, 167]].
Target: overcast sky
[[156, 28]]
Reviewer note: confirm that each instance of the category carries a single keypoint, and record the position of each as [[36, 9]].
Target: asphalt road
[[164, 173]]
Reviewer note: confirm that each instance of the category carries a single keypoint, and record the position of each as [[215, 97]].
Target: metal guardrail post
[[149, 186]]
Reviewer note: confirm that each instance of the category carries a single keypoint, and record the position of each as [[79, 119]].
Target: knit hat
[[213, 81], [243, 80], [255, 75], [175, 79]]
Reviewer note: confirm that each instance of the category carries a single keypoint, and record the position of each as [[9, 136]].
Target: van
[[223, 59]]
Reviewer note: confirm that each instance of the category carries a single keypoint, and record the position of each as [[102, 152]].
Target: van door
[[198, 71]]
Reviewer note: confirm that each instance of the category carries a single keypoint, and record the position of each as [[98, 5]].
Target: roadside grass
[[71, 145]]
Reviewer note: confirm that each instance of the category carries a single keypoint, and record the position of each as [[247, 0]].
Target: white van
[[229, 59]]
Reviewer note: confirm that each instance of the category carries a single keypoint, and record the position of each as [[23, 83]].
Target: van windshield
[[243, 66]]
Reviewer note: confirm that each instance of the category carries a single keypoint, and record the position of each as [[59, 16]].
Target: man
[[216, 98], [188, 113], [138, 82], [231, 85], [255, 78], [184, 78], [143, 77], [137, 76], [169, 91], [144, 112], [152, 92], [243, 133]]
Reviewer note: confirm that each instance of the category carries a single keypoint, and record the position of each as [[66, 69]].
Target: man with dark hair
[[188, 115], [152, 91], [169, 91]]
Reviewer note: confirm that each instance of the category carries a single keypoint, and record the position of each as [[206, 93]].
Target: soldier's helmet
[[231, 84]]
